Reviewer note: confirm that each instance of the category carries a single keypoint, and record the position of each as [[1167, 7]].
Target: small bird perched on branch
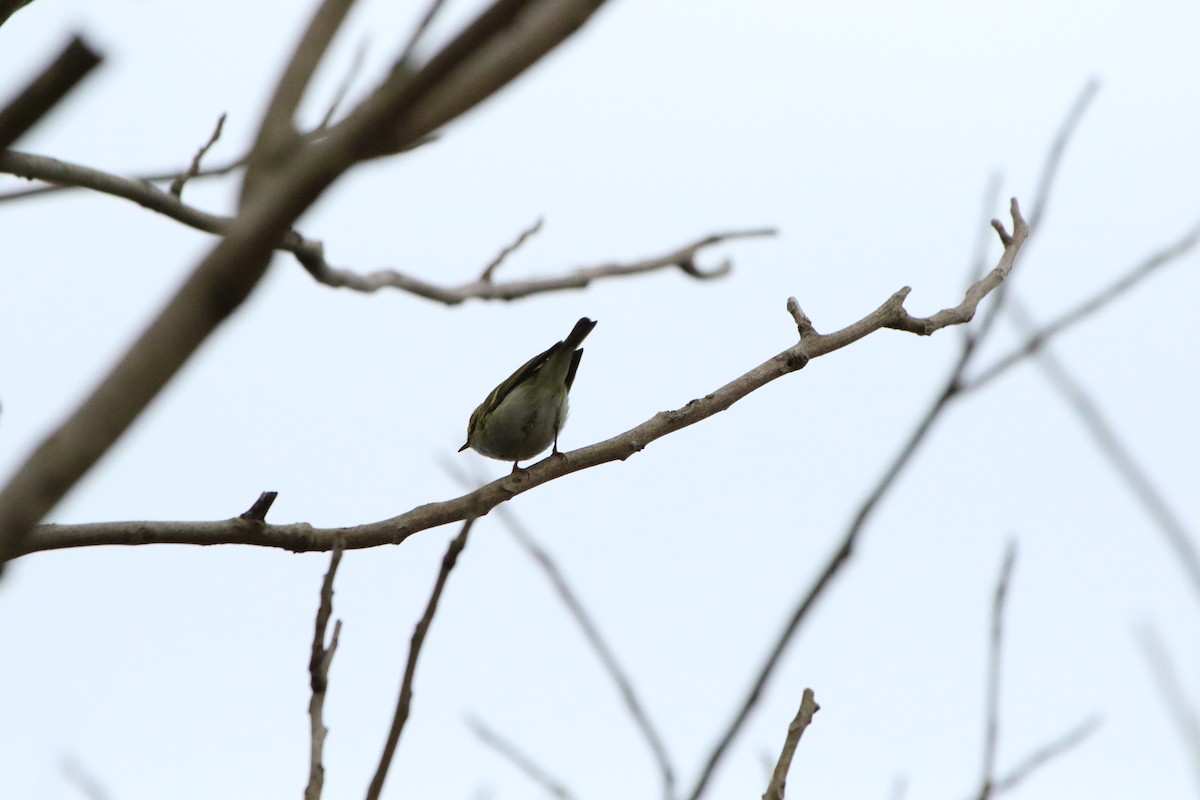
[[523, 415]]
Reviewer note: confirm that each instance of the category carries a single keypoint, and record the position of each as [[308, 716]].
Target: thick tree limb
[[44, 92], [301, 537], [10, 7]]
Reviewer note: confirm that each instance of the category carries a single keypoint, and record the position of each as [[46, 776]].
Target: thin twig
[[404, 702], [44, 91], [1174, 698], [311, 252], [991, 736], [608, 659], [599, 646], [804, 715], [1058, 147], [1038, 338], [519, 759], [277, 134], [312, 258], [1045, 754], [85, 781], [509, 250], [154, 177], [193, 169], [1179, 539], [414, 38], [319, 662], [300, 537], [360, 56]]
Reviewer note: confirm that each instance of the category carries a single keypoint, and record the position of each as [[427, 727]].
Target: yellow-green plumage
[[524, 414]]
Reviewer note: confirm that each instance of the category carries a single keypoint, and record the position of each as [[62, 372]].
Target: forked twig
[[319, 662]]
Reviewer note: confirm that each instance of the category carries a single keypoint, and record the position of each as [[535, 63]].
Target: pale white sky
[[866, 132]]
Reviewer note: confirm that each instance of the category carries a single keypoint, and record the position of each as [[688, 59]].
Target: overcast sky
[[867, 133]]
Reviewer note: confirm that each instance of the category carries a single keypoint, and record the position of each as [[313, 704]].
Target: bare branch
[[1038, 338], [995, 657], [1180, 708], [1045, 754], [1059, 146], [86, 782], [318, 670], [360, 55], [804, 715], [964, 312], [193, 169], [311, 253], [27, 165], [404, 703], [311, 256], [435, 6], [301, 537], [519, 759], [10, 7], [509, 250], [600, 647], [156, 177], [277, 135], [44, 92], [1179, 539]]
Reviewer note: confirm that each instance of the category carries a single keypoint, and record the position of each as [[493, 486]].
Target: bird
[[524, 414]]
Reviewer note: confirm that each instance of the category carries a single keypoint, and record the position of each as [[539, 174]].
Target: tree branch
[[804, 715], [44, 92], [10, 7], [1179, 539], [176, 188], [995, 656], [1045, 754], [1037, 339], [311, 253], [318, 670], [300, 537], [404, 703], [1174, 699], [519, 760], [600, 647]]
